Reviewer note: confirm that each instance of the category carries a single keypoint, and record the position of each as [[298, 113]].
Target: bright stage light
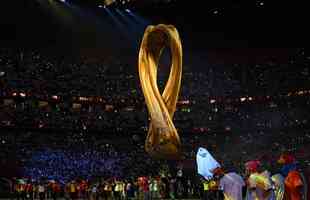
[[127, 10], [22, 94], [108, 2], [64, 1]]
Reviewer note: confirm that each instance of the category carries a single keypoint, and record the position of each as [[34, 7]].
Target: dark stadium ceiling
[[124, 3], [267, 22]]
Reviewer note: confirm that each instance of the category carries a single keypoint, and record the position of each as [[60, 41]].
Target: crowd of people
[[96, 159], [76, 122], [40, 92], [114, 188], [261, 179], [57, 154]]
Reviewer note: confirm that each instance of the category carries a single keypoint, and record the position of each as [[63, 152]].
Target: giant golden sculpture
[[162, 140]]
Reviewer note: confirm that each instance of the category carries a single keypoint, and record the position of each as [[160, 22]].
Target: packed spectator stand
[[62, 121]]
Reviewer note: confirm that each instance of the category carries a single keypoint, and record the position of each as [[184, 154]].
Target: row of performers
[[259, 184]]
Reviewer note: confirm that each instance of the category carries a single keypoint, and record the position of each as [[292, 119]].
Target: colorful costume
[[293, 185], [259, 184], [279, 188], [293, 181]]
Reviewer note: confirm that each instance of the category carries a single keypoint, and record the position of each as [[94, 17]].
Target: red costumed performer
[[293, 180]]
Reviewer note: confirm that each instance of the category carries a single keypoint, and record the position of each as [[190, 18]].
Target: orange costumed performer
[[293, 180]]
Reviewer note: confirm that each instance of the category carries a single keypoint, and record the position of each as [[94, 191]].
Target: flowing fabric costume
[[294, 183], [259, 184], [206, 163], [231, 184], [279, 188]]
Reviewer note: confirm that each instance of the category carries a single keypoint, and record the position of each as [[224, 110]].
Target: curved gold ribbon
[[162, 140]]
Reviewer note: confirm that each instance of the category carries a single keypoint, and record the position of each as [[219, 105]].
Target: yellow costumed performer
[[162, 140]]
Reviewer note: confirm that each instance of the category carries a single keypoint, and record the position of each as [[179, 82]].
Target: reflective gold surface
[[162, 140]]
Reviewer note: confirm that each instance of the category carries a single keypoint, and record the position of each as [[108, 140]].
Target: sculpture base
[[164, 151]]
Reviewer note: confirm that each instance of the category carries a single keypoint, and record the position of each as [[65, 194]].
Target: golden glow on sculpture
[[162, 140]]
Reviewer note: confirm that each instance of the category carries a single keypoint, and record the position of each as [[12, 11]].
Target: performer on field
[[293, 180], [259, 182], [230, 183]]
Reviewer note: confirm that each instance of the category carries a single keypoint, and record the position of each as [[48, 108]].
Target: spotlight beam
[[138, 18], [119, 25], [132, 27]]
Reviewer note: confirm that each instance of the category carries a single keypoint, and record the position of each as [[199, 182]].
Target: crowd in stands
[[69, 121], [40, 92], [94, 158]]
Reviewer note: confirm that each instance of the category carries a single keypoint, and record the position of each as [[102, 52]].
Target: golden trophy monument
[[162, 140]]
